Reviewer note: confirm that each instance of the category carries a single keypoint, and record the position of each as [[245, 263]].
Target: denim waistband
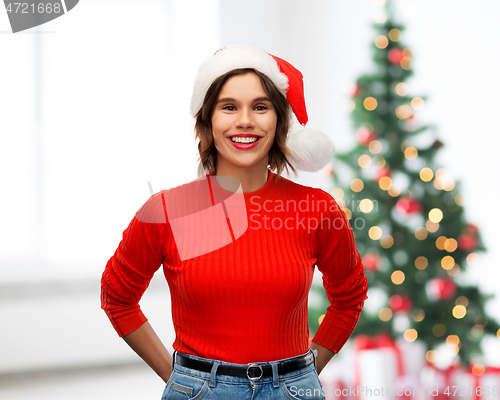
[[214, 377]]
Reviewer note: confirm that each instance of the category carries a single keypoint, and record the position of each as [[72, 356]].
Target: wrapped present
[[478, 382], [385, 368], [436, 382], [378, 361]]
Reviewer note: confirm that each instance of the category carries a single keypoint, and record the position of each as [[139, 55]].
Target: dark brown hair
[[277, 156]]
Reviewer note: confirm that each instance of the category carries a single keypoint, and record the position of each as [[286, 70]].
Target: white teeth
[[236, 139]]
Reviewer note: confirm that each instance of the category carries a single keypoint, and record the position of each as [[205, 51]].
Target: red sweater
[[245, 301]]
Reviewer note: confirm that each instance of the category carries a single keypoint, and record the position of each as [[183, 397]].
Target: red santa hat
[[311, 149]]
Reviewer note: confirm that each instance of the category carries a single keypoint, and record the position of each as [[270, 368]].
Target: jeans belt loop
[[315, 354], [213, 373], [276, 377]]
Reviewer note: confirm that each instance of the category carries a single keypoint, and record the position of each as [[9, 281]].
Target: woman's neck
[[251, 178]]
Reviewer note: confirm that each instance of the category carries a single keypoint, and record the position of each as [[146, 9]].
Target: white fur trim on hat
[[311, 149], [234, 57]]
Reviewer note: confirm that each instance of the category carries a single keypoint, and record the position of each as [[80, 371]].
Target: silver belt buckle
[[256, 378]]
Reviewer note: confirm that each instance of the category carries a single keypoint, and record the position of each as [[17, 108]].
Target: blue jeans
[[186, 383]]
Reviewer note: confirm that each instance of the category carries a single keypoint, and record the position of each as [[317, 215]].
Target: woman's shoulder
[[176, 202]]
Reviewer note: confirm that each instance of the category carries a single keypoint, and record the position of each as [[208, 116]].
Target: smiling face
[[244, 125]]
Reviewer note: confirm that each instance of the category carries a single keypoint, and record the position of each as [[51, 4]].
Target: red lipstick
[[244, 146]]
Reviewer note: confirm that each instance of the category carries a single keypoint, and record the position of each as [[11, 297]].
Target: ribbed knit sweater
[[245, 301]]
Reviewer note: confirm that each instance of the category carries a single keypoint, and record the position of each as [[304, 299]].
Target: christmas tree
[[407, 214]]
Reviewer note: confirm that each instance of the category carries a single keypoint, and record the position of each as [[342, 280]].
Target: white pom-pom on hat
[[311, 149]]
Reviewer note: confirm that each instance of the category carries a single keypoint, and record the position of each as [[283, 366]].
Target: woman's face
[[244, 124]]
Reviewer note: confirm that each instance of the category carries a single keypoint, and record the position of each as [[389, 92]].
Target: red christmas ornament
[[371, 262], [395, 55], [385, 171], [408, 206], [400, 303], [365, 136], [358, 89], [442, 288], [467, 242]]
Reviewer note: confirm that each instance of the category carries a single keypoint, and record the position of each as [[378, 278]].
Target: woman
[[239, 247]]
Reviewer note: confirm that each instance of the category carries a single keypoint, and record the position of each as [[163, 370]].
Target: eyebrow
[[231, 100]]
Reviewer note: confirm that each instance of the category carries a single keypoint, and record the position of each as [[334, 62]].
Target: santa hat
[[311, 149]]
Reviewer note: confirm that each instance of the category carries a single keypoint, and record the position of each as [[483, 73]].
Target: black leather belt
[[251, 371]]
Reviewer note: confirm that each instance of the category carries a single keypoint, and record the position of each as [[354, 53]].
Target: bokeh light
[[478, 369], [432, 226], [426, 174], [447, 262], [385, 183], [405, 63], [459, 311], [452, 340], [430, 355], [435, 215], [366, 205], [364, 161], [398, 277], [462, 301], [421, 262], [410, 335], [357, 185], [375, 146], [395, 35], [418, 315], [404, 111], [421, 233], [472, 259], [375, 233], [385, 314], [402, 89], [394, 190], [337, 193], [411, 153], [381, 42], [450, 245], [370, 103], [440, 242], [386, 241], [417, 103]]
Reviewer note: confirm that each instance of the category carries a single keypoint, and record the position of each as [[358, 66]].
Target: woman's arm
[[324, 355], [146, 343]]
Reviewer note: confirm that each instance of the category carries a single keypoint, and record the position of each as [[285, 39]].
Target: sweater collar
[[265, 192]]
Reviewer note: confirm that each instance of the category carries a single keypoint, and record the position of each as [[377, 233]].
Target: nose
[[245, 119]]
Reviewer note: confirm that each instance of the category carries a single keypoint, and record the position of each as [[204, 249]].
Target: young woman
[[239, 246]]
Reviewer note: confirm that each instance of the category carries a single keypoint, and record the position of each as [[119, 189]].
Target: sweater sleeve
[[129, 272], [344, 278]]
